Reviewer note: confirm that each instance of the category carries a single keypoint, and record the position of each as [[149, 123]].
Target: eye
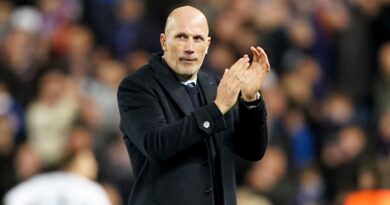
[[181, 36], [198, 38]]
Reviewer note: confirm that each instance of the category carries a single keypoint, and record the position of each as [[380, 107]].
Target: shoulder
[[57, 185], [143, 78], [142, 74], [141, 83], [148, 72]]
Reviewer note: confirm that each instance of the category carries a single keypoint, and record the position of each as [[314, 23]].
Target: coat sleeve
[[251, 134], [144, 122]]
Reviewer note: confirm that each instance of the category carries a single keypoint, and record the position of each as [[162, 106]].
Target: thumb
[[226, 71]]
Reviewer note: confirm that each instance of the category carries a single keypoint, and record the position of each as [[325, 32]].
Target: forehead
[[189, 30], [194, 25]]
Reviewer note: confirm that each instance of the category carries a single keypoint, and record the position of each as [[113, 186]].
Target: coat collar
[[168, 80]]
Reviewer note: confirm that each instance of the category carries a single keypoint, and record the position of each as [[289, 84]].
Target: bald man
[[182, 125]]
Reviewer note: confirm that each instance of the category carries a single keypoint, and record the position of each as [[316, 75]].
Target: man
[[181, 128], [73, 184]]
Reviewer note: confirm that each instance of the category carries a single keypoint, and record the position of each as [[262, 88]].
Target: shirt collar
[[189, 81]]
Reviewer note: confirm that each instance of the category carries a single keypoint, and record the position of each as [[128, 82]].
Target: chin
[[186, 70], [187, 74]]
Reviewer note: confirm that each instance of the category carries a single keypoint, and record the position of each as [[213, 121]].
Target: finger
[[241, 73], [246, 57], [264, 59], [268, 66], [225, 76], [235, 66], [238, 66], [243, 66], [263, 54], [256, 54]]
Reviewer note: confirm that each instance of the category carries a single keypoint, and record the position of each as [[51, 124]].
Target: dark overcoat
[[181, 155]]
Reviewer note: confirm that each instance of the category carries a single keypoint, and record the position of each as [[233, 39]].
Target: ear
[[208, 44], [163, 41]]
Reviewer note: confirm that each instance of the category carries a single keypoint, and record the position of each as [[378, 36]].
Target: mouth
[[187, 59]]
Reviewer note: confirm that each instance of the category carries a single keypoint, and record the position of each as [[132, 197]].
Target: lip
[[186, 59]]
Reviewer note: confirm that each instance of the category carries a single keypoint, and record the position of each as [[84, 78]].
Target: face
[[185, 44]]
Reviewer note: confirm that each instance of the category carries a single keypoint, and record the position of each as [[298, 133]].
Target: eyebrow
[[195, 36], [199, 36], [181, 34]]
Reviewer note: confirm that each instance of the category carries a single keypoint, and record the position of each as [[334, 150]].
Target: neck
[[184, 78]]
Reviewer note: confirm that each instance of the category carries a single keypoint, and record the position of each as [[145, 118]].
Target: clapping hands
[[244, 77]]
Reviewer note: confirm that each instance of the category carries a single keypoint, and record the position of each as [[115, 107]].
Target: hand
[[230, 85], [255, 74]]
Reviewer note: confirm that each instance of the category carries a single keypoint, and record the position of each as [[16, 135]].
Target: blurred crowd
[[328, 95]]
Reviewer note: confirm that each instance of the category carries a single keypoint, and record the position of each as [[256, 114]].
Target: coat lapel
[[171, 84], [208, 85]]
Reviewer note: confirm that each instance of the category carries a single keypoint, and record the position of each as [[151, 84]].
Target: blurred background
[[328, 95]]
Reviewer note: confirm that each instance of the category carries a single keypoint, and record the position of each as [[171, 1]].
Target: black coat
[[179, 155]]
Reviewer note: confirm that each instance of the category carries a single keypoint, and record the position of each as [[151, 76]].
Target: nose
[[189, 46]]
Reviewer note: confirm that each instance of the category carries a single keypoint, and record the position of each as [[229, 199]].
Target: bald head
[[185, 41], [186, 15]]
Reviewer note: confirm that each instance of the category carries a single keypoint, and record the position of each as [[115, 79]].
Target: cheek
[[202, 50]]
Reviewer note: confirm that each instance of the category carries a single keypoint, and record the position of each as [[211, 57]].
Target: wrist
[[222, 109], [251, 98]]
